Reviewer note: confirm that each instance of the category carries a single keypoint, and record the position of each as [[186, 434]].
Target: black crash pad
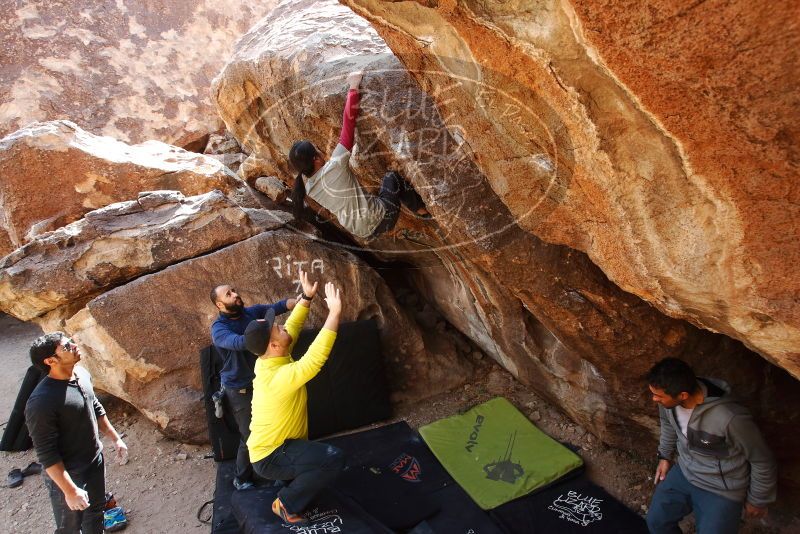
[[457, 513], [223, 433], [573, 506], [394, 476], [15, 435], [390, 473], [222, 520], [398, 449], [329, 512], [351, 391]]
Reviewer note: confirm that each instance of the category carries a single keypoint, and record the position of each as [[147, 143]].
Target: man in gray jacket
[[723, 461]]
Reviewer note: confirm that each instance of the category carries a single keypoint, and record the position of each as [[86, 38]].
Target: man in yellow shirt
[[278, 442]]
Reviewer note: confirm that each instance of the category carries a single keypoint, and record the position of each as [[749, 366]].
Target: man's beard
[[234, 309]]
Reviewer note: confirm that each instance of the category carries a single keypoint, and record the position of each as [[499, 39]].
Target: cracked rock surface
[[658, 138], [118, 243], [55, 172]]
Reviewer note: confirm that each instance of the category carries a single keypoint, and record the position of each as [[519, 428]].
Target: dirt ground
[[165, 482]]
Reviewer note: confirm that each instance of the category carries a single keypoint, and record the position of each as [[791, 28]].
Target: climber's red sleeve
[[347, 138]]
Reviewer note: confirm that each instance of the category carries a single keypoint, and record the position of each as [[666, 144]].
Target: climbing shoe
[[280, 511], [15, 478], [114, 519], [34, 468], [242, 485]]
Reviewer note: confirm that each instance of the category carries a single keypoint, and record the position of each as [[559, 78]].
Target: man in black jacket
[[63, 417]]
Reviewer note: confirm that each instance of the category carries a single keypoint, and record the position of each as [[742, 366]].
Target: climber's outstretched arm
[[347, 137]]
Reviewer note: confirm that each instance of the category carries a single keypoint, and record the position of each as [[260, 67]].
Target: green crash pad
[[496, 454]]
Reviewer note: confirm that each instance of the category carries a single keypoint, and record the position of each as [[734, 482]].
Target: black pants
[[395, 190], [89, 521], [241, 406], [309, 465]]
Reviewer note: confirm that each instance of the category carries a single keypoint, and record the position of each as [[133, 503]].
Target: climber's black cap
[[256, 335]]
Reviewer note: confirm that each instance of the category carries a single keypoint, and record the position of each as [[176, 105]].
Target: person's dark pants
[[394, 191], [240, 403], [676, 497], [89, 521], [308, 465]]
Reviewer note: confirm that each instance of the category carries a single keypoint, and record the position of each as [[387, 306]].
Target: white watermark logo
[[482, 154], [576, 508]]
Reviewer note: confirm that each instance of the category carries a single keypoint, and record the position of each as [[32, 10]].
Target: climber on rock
[[331, 184]]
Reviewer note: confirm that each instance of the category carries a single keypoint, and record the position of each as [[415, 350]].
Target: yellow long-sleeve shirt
[[280, 410]]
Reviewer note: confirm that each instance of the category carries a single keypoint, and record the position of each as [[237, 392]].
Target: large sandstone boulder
[[142, 339], [672, 168], [52, 173], [112, 245], [544, 311], [132, 70]]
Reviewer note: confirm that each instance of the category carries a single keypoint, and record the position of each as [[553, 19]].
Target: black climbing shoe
[[15, 478], [34, 468]]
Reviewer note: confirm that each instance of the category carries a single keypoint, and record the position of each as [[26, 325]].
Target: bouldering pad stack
[[487, 471]]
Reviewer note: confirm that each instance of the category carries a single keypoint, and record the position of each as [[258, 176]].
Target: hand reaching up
[[333, 299], [354, 79], [309, 289], [334, 302]]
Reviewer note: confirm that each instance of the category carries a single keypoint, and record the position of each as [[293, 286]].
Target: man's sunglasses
[[69, 346]]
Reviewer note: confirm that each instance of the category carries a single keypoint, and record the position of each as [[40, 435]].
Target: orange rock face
[[118, 243], [668, 132], [52, 173], [721, 80], [132, 70], [543, 310]]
